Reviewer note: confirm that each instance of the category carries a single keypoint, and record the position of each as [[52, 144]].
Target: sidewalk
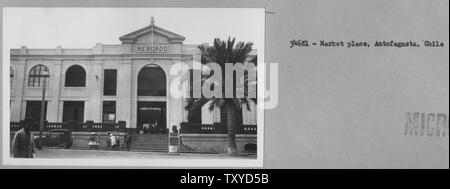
[[86, 154]]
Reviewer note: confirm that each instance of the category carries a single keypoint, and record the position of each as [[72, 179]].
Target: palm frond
[[222, 52]]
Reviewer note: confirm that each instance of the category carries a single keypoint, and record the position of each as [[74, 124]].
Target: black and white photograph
[[133, 86], [226, 92]]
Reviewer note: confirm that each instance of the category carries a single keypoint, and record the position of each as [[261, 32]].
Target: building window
[[109, 111], [75, 76], [38, 75], [33, 110], [152, 81], [110, 83], [73, 111]]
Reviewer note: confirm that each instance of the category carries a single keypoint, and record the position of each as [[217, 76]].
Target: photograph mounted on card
[[117, 87]]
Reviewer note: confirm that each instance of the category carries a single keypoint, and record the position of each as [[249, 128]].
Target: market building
[[123, 85]]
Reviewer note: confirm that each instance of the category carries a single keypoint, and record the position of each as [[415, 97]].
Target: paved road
[[86, 154]]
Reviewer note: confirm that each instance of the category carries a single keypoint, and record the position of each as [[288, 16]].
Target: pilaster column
[[54, 91], [18, 87], [124, 93], [93, 106]]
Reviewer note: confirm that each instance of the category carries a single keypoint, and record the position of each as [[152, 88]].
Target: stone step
[[150, 140], [145, 138], [150, 151], [164, 140], [150, 143], [145, 146], [149, 135], [153, 149], [150, 146]]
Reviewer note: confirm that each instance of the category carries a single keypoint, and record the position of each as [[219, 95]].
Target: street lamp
[[41, 121]]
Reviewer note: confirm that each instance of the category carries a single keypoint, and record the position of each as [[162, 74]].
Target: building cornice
[[56, 57]]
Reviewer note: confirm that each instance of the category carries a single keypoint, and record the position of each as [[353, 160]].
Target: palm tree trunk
[[232, 126]]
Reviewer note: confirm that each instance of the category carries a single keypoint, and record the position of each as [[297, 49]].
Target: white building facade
[[108, 83]]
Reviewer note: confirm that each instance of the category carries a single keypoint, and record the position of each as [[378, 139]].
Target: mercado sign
[[151, 48]]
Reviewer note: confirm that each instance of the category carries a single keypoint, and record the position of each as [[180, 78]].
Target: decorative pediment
[[152, 32]]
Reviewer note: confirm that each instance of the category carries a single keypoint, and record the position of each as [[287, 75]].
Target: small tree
[[222, 53]]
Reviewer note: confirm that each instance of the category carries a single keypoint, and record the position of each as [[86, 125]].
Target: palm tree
[[222, 53]]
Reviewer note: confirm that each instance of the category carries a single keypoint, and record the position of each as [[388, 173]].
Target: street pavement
[[103, 154]]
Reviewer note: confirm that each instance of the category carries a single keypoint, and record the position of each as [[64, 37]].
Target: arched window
[[152, 81], [38, 75], [75, 77]]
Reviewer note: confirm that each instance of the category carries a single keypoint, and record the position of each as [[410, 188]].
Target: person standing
[[128, 140], [92, 143], [118, 142], [113, 141], [108, 140], [23, 144]]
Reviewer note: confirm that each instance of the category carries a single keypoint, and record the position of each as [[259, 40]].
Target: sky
[[84, 27]]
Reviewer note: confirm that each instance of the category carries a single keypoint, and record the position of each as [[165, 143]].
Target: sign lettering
[[152, 48]]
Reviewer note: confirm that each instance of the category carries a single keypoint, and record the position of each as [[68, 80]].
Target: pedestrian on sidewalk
[[108, 140], [23, 144], [128, 140], [93, 143], [113, 141], [118, 142]]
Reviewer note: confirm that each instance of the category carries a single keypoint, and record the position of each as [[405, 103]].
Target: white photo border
[[201, 163]]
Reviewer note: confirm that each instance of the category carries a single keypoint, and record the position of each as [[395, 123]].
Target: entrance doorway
[[151, 117], [151, 114]]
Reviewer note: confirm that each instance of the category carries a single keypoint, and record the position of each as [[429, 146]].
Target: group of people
[[150, 128], [93, 142], [112, 142], [23, 144]]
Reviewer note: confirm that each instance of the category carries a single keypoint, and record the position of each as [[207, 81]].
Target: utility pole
[[41, 122]]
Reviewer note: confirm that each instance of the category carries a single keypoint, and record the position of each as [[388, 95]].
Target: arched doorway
[[151, 105]]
